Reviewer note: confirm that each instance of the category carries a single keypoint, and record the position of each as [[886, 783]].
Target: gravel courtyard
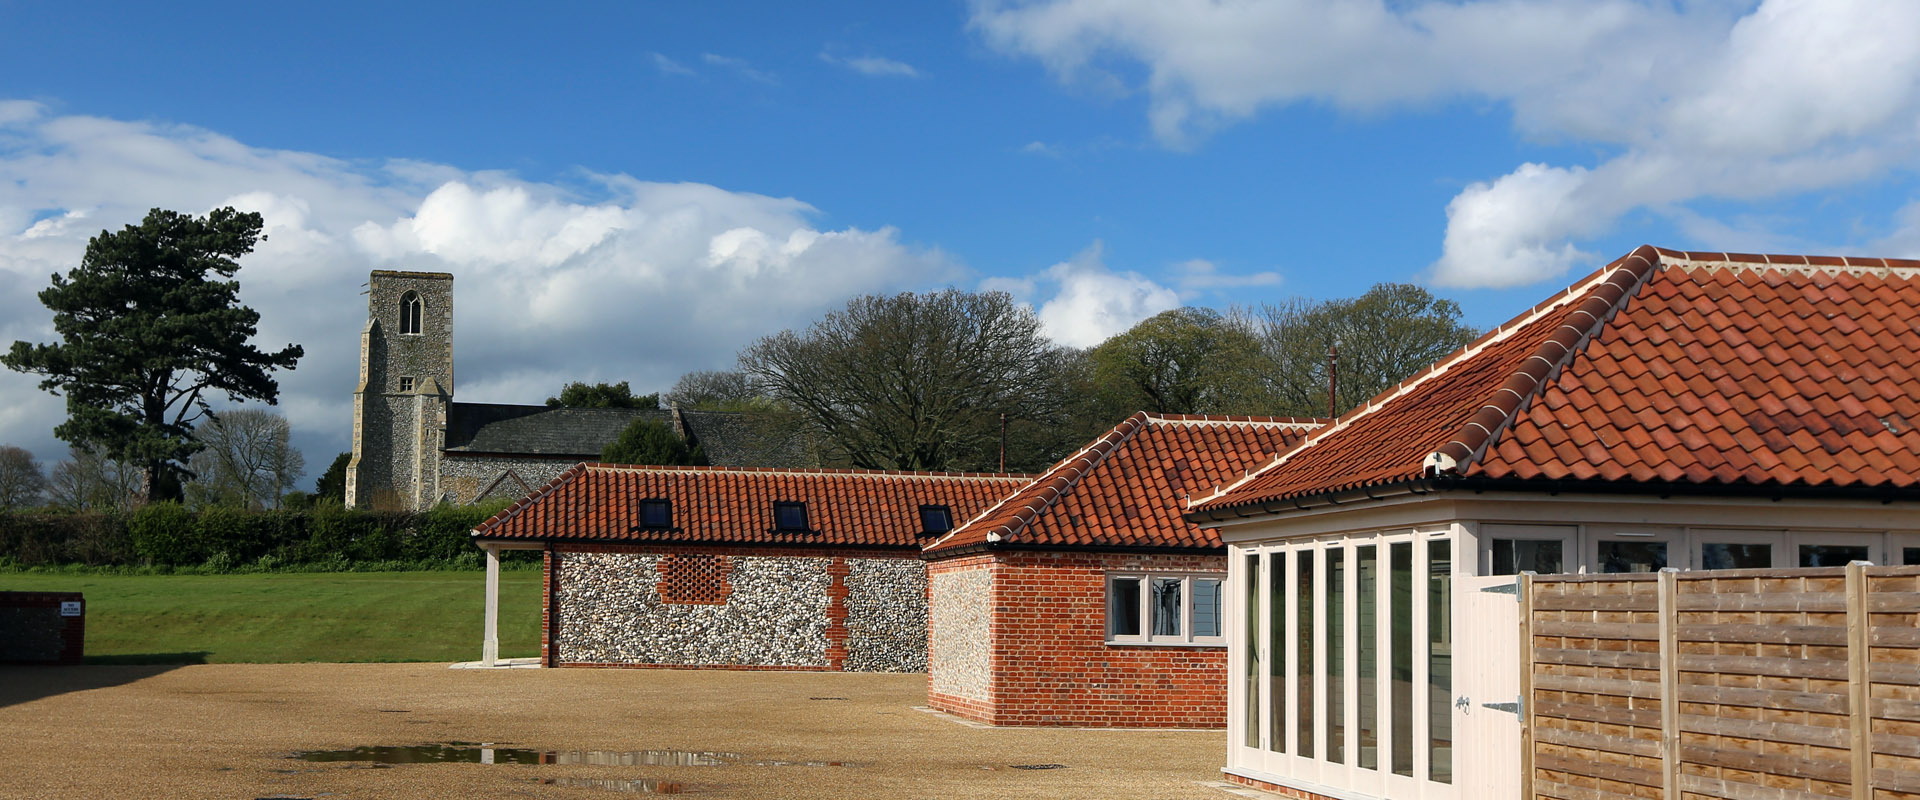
[[229, 731]]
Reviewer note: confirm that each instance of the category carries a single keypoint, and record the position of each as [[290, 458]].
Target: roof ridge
[[1740, 262], [1536, 370], [852, 471], [1059, 486], [1237, 419], [527, 502], [1497, 333]]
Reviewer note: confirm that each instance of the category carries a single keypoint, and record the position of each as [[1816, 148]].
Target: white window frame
[[1146, 635]]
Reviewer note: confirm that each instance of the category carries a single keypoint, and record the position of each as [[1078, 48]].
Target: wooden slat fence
[[1800, 684]]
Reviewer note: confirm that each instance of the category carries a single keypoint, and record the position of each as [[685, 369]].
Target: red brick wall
[[41, 611], [1283, 791], [1051, 664]]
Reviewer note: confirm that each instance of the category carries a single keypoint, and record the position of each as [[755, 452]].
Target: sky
[[634, 190]]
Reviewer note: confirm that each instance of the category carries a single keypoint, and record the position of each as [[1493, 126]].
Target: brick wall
[[768, 608], [32, 631], [1049, 663]]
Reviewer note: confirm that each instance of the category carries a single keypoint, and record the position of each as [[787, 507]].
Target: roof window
[[935, 520], [789, 516], [656, 513]]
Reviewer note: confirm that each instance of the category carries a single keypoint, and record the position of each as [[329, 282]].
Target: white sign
[[69, 608]]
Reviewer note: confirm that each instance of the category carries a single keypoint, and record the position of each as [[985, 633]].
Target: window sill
[[1183, 645]]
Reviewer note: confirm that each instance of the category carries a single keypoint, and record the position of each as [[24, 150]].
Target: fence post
[[1669, 589], [1523, 583], [1859, 710]]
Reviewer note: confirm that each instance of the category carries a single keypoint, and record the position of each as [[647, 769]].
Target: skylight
[[788, 516]]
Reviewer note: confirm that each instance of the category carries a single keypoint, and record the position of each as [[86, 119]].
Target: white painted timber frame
[[490, 641], [1579, 522]]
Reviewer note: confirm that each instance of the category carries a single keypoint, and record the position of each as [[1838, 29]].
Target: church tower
[[406, 382]]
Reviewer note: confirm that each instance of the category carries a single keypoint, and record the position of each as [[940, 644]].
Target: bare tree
[[725, 390], [22, 482], [916, 381], [248, 460], [89, 481]]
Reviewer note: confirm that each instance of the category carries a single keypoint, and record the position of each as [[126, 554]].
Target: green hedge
[[224, 539]]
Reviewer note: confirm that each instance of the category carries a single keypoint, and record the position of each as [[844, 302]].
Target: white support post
[[490, 648]]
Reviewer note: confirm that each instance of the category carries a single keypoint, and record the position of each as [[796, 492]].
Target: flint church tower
[[406, 385]]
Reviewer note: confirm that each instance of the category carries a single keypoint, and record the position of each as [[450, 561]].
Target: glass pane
[[1831, 555], [1277, 652], [1123, 608], [1251, 647], [1336, 746], [1514, 556], [1633, 556], [1303, 591], [1910, 555], [1366, 602], [1206, 607], [1166, 606], [1401, 652], [1714, 555], [1440, 661]]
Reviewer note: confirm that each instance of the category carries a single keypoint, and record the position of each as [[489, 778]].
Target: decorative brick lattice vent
[[695, 579]]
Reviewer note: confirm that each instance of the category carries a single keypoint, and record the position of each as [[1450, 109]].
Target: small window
[[406, 383], [656, 514], [410, 313], [790, 516], [935, 520], [1164, 609]]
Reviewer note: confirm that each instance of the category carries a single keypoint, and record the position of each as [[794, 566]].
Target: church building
[[413, 446]]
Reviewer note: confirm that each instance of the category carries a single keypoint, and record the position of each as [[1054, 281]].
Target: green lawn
[[276, 618]]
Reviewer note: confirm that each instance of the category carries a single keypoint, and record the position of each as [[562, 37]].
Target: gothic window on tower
[[410, 313]]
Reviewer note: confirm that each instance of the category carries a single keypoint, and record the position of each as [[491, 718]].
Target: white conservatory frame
[[1466, 523]]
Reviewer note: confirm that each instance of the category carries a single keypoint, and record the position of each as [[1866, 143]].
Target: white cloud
[[873, 66], [1201, 275], [1089, 302], [739, 66], [668, 66], [1039, 148], [1691, 100], [642, 282]]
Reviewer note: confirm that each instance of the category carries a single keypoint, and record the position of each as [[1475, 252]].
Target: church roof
[[718, 505], [729, 438], [1129, 487], [1663, 371]]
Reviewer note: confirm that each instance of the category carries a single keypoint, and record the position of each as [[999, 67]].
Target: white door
[[1486, 687]]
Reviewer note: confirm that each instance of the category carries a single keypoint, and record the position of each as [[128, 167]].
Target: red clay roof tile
[[1685, 367], [845, 507], [1127, 488]]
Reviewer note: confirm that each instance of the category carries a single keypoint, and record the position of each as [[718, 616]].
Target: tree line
[[940, 380]]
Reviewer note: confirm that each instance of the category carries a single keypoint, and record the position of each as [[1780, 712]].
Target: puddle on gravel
[[476, 753], [642, 786]]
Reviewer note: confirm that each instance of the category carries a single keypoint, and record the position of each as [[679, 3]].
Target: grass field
[[295, 617]]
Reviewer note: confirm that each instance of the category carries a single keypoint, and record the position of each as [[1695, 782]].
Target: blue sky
[[627, 191]]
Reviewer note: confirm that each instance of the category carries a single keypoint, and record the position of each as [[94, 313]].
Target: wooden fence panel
[[1794, 684]]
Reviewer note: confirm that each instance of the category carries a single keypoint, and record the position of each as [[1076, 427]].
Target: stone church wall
[[465, 478], [390, 469], [736, 607]]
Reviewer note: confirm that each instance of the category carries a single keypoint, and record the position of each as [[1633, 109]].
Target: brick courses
[[1048, 660]]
